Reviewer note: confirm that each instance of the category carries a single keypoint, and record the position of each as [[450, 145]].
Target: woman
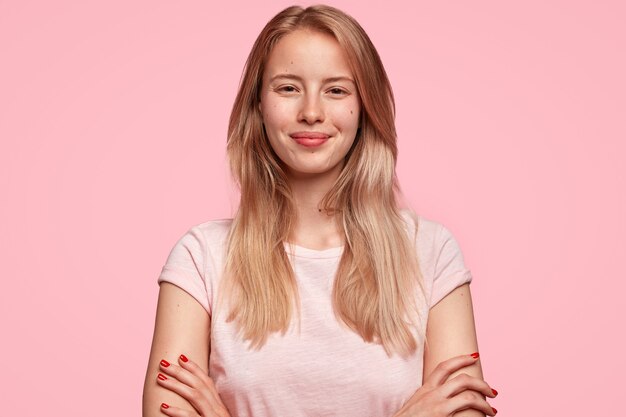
[[320, 297]]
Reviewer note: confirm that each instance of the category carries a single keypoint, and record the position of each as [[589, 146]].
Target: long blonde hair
[[374, 291]]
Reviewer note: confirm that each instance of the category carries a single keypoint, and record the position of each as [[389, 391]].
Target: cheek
[[274, 112], [347, 117]]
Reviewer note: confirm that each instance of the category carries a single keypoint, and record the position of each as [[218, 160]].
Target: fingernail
[[162, 377], [475, 355], [165, 405], [183, 358], [494, 391], [494, 410], [165, 363]]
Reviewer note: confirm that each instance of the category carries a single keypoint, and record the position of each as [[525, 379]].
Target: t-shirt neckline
[[303, 252]]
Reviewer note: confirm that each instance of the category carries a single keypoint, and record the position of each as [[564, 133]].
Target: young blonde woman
[[321, 297]]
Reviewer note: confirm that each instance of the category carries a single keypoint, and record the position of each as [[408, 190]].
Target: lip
[[309, 135], [310, 139]]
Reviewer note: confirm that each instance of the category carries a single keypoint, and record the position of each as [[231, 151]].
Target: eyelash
[[342, 91]]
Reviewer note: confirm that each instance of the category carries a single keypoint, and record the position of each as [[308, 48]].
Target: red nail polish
[[165, 363], [494, 410], [183, 358], [165, 405], [162, 377], [475, 355], [494, 391]]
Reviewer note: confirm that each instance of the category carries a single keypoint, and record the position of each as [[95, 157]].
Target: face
[[309, 104]]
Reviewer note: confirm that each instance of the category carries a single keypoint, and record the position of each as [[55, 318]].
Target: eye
[[287, 89], [336, 91]]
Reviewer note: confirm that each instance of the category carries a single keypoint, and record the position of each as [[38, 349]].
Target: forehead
[[308, 54]]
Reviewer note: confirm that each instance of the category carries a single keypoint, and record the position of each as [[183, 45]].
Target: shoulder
[[428, 230], [213, 232], [194, 261], [200, 242], [436, 245]]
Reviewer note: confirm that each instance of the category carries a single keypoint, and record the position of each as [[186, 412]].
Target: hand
[[190, 382], [438, 399]]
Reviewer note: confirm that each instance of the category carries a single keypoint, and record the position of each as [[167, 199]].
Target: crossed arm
[[451, 332], [182, 325]]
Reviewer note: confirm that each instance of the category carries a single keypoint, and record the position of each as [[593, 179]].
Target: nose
[[311, 110]]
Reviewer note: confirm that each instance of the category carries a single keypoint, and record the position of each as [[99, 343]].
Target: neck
[[314, 228]]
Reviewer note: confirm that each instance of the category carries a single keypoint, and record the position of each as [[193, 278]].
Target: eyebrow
[[324, 81]]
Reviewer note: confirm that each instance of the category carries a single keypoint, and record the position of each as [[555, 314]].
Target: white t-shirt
[[324, 369]]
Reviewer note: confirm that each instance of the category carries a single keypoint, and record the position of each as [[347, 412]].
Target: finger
[[464, 381], [172, 384], [199, 373], [177, 412], [181, 374], [193, 367], [196, 398], [199, 402], [468, 399], [444, 369], [203, 397]]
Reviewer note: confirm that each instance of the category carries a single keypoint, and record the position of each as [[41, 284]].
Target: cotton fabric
[[320, 368]]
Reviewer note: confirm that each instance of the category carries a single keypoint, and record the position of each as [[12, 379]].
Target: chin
[[311, 170]]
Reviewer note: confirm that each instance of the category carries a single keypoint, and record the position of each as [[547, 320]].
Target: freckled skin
[[309, 104]]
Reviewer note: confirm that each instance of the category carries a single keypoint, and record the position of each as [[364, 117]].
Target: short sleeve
[[450, 270], [186, 266]]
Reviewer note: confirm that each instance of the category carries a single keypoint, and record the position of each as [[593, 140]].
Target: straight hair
[[378, 280]]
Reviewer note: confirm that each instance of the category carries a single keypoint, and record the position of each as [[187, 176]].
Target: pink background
[[113, 116]]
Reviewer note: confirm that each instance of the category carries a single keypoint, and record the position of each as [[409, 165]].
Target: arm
[[451, 332], [182, 326]]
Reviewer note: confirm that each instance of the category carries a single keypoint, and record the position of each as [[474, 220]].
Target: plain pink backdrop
[[113, 117]]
